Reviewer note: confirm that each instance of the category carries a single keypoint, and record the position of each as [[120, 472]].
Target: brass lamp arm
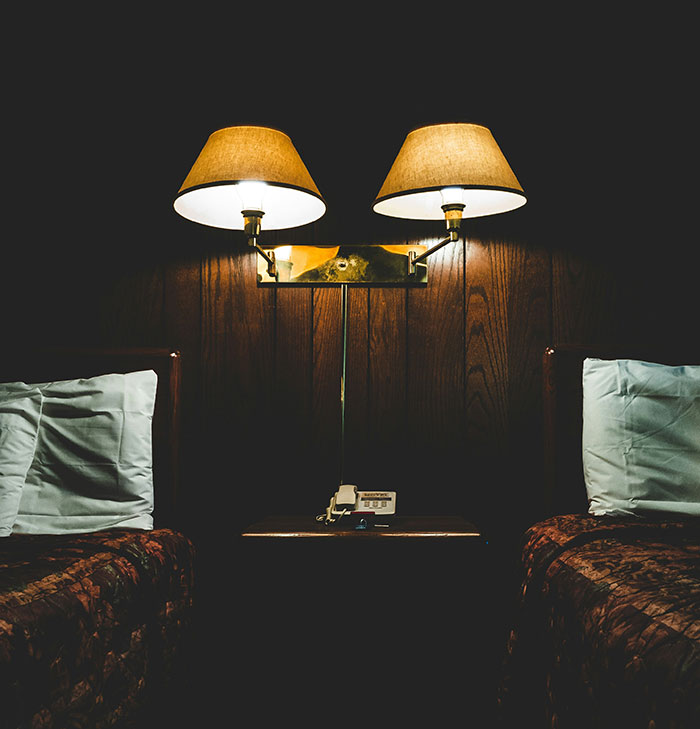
[[453, 218], [251, 227], [269, 257], [414, 259]]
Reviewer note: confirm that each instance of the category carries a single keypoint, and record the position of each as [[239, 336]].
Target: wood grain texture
[[486, 326], [182, 316], [443, 383], [291, 419], [584, 299], [387, 436], [529, 333], [237, 384], [323, 470], [358, 462], [436, 378]]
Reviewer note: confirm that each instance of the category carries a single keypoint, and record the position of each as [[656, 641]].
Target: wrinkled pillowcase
[[19, 424], [641, 438], [92, 468]]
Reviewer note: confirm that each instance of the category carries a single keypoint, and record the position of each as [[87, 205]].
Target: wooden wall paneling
[[436, 432], [294, 449], [357, 466], [182, 306], [486, 326], [387, 434], [529, 332], [182, 321], [237, 387], [584, 299], [323, 470]]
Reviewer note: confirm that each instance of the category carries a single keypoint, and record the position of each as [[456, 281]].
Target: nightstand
[[414, 557], [399, 527], [400, 612]]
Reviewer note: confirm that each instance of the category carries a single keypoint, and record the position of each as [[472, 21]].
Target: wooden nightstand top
[[401, 527]]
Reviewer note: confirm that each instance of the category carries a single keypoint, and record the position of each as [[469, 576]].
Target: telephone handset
[[345, 497], [348, 500]]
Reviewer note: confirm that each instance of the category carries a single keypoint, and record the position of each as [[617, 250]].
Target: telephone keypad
[[378, 502]]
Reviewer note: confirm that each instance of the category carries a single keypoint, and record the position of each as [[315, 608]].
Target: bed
[[94, 615], [607, 624]]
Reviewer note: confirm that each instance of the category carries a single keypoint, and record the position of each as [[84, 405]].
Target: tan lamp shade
[[249, 168], [441, 156]]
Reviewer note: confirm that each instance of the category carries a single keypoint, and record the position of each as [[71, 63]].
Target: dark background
[[105, 113]]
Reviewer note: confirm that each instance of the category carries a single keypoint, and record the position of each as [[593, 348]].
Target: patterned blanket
[[607, 632], [89, 624]]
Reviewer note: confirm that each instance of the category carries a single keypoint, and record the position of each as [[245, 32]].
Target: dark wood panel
[[388, 435], [584, 299], [529, 332], [323, 475], [237, 386], [237, 335], [436, 425], [357, 463], [440, 381], [529, 324], [182, 319], [487, 278], [486, 324], [182, 305], [290, 433]]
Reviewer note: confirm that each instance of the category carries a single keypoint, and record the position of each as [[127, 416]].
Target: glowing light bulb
[[452, 195], [453, 204], [251, 194]]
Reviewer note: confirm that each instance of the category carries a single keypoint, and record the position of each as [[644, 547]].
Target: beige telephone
[[348, 500]]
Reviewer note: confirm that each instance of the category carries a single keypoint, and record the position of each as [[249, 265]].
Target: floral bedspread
[[90, 623], [607, 632]]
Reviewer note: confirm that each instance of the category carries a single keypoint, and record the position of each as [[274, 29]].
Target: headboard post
[[562, 395]]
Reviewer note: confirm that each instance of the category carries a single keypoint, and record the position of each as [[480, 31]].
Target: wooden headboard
[[565, 491], [44, 364]]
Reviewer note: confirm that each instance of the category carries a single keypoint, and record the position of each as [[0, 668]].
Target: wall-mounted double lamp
[[250, 177]]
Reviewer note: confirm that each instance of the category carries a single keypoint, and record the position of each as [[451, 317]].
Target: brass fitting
[[453, 218]]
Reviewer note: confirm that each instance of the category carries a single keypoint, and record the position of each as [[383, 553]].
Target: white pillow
[[19, 423], [92, 468], [641, 438]]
